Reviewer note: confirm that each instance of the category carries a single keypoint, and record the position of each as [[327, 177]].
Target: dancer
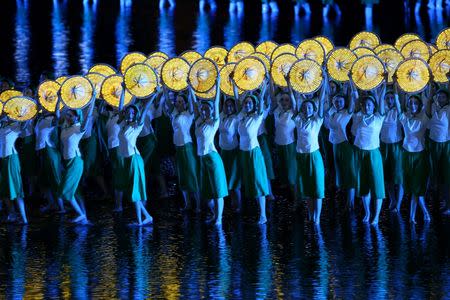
[[310, 168], [213, 181]]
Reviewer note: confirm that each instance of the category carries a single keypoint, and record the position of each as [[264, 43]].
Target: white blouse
[[248, 130], [89, 121], [308, 133], [205, 131], [128, 135], [8, 137], [152, 113], [366, 130], [391, 131], [44, 130], [112, 130], [414, 128], [262, 128], [284, 126], [181, 123], [337, 123], [439, 125], [27, 130], [70, 139], [228, 132]]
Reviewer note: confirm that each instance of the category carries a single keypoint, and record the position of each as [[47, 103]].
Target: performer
[[213, 181], [254, 175], [310, 169], [182, 115], [366, 129]]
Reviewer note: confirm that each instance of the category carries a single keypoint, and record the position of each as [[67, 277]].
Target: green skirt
[[50, 172], [392, 162], [119, 176], [254, 176], [146, 146], [28, 154], [370, 173], [415, 166], [187, 168], [287, 166], [71, 178], [233, 171], [265, 149], [344, 165], [88, 148], [10, 178], [440, 161], [213, 181], [311, 175], [135, 172]]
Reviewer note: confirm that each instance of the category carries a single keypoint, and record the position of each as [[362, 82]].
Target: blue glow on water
[[87, 36], [166, 32], [22, 42], [123, 35], [232, 31], [202, 33], [268, 27], [59, 39]]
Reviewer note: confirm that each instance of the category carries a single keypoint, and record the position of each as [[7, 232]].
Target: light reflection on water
[[22, 42], [60, 39], [87, 35], [123, 37]]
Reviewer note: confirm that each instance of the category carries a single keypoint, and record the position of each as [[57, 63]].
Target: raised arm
[[90, 111], [217, 100], [354, 95], [146, 108], [323, 94], [168, 105], [381, 97]]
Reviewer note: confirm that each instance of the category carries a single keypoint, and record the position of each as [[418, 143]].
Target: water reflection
[[22, 42], [17, 269], [202, 33], [268, 26], [232, 30], [166, 32], [60, 39], [300, 28], [123, 35], [87, 35]]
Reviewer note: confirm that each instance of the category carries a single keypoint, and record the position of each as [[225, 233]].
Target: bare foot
[[262, 221], [366, 218], [218, 223], [412, 221], [147, 221], [374, 222], [426, 218], [79, 219]]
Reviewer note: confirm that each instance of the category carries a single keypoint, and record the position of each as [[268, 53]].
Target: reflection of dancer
[[368, 12], [203, 3], [302, 5], [236, 6], [330, 4], [269, 4], [164, 3]]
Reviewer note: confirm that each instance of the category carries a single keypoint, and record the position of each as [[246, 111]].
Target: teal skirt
[[311, 175], [233, 171], [344, 165], [71, 178], [119, 176], [187, 168], [440, 161], [146, 146], [392, 162], [88, 148], [51, 168], [28, 154], [213, 181], [265, 149], [254, 176], [10, 178], [135, 172], [287, 167], [370, 173], [415, 166]]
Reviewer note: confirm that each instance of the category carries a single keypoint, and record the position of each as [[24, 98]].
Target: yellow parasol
[[140, 80], [48, 95], [264, 58], [156, 62], [76, 92], [266, 47], [282, 49], [326, 43], [311, 49], [306, 76], [364, 39], [405, 38], [20, 108], [440, 65], [391, 58], [413, 75], [174, 74], [240, 51], [281, 67], [202, 75], [218, 55], [191, 56], [112, 90], [103, 69], [417, 49], [367, 72], [8, 94], [361, 51], [207, 95], [339, 63], [249, 73], [61, 79], [226, 84], [382, 47], [443, 39], [96, 79], [159, 53], [131, 59]]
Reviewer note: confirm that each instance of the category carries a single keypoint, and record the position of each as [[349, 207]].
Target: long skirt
[[88, 148], [27, 154], [370, 173], [119, 176], [440, 161], [254, 176], [311, 175], [11, 186], [50, 169], [265, 149], [146, 146], [344, 165], [287, 166], [135, 175], [213, 181], [392, 162], [187, 168], [71, 178], [415, 166], [232, 166]]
